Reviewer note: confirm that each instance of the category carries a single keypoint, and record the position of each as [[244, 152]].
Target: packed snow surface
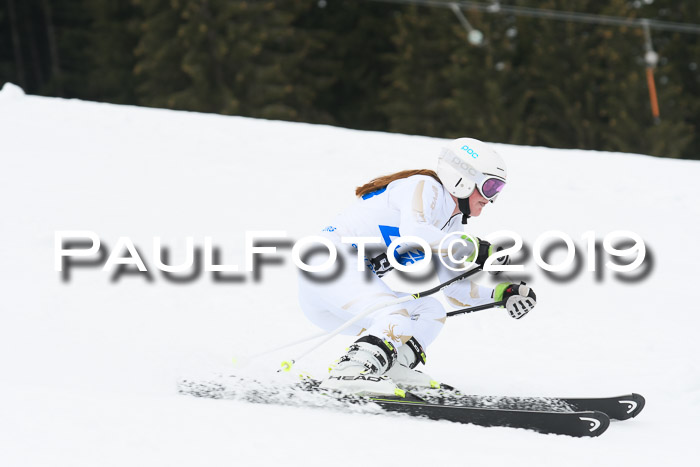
[[90, 363]]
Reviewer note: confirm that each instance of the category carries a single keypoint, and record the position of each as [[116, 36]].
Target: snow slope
[[89, 366]]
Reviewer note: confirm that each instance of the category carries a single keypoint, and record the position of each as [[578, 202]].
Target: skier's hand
[[480, 251], [473, 250], [500, 261], [519, 298]]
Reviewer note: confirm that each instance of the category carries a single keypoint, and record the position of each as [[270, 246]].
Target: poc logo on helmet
[[470, 151]]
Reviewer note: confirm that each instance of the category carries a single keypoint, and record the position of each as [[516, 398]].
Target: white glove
[[519, 298]]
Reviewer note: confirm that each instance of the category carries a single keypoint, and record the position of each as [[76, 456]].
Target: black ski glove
[[482, 250]]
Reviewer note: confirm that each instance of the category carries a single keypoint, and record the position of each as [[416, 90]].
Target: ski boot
[[362, 369], [404, 374]]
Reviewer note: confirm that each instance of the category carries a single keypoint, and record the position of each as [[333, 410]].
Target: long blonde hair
[[383, 181]]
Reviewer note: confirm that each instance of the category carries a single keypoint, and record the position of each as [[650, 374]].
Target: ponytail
[[383, 181]]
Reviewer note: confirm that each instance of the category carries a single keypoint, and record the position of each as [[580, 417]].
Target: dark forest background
[[373, 66]]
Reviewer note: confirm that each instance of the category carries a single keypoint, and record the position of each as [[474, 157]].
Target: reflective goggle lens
[[492, 187]]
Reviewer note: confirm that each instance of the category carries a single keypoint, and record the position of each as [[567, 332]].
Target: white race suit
[[414, 206]]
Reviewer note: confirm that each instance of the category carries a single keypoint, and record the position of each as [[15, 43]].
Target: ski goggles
[[490, 187]]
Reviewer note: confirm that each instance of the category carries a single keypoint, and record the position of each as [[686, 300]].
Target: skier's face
[[476, 203]]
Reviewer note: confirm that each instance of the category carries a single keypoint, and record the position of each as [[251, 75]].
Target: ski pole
[[472, 309], [287, 364], [241, 361], [450, 314]]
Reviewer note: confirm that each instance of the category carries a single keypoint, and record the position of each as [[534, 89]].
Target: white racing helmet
[[466, 163]]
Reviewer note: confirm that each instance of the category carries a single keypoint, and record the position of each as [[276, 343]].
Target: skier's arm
[[424, 207]]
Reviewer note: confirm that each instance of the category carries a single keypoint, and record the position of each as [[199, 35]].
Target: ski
[[577, 424], [618, 408], [306, 393]]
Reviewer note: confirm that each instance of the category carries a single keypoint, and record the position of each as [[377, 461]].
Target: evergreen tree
[[678, 80], [113, 35], [350, 65], [12, 63], [231, 57], [416, 99], [535, 81]]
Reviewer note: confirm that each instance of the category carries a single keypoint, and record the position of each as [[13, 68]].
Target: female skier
[[420, 203]]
